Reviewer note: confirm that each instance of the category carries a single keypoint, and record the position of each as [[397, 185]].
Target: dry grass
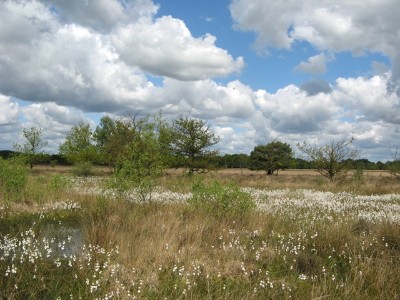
[[373, 182], [175, 251], [157, 240]]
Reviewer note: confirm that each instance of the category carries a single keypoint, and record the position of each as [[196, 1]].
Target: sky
[[256, 70]]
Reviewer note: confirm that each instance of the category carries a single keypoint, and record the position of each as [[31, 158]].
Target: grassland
[[307, 238]]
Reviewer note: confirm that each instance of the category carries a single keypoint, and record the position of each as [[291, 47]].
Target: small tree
[[112, 138], [31, 150], [78, 147], [191, 141], [271, 157], [394, 166], [143, 161], [331, 160]]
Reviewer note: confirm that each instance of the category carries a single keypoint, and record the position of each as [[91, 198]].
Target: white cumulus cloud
[[331, 25], [9, 112], [165, 47], [315, 65]]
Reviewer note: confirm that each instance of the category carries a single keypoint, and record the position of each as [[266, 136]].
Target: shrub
[[140, 168], [221, 200], [13, 178], [83, 169], [53, 163], [58, 183]]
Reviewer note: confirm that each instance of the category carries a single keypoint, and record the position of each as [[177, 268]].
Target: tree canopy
[[31, 150], [271, 157], [332, 160], [191, 141], [394, 166], [78, 146]]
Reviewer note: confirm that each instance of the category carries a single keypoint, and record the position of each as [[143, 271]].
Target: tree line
[[132, 145]]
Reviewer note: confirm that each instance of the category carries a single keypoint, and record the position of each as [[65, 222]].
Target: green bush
[[58, 183], [83, 169], [13, 178], [53, 163], [221, 200]]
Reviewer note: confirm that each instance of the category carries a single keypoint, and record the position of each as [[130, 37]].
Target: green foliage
[[141, 164], [191, 142], [331, 161], [221, 200], [58, 183], [271, 157], [112, 138], [53, 163], [30, 151], [83, 168], [13, 178], [79, 147], [394, 166]]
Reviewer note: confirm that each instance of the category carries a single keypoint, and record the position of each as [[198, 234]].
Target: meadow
[[227, 234]]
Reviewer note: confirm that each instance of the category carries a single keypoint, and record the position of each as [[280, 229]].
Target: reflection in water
[[62, 240]]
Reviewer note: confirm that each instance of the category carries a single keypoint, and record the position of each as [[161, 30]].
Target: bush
[[221, 200], [140, 168], [53, 163], [83, 169], [13, 178], [58, 183]]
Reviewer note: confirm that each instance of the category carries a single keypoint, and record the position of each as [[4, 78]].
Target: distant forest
[[229, 161]]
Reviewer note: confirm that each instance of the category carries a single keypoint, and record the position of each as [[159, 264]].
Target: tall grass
[[73, 239]]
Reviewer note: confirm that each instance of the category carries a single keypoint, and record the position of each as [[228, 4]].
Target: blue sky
[[257, 70], [271, 71]]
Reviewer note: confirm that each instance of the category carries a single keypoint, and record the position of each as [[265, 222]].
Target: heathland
[[227, 234]]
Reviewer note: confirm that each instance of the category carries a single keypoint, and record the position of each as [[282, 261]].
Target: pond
[[47, 236]]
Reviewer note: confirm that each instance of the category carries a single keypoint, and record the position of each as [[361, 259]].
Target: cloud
[[9, 112], [267, 19], [71, 66], [369, 98], [316, 86], [70, 57], [291, 110], [55, 120], [165, 47], [315, 64], [331, 25], [43, 59], [101, 15], [238, 138], [207, 99]]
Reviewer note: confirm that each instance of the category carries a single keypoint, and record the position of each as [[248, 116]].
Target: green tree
[[394, 166], [13, 178], [78, 147], [143, 160], [271, 157], [191, 141], [332, 160], [112, 137], [31, 151]]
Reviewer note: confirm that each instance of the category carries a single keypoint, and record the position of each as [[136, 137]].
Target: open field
[[301, 237], [46, 169]]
